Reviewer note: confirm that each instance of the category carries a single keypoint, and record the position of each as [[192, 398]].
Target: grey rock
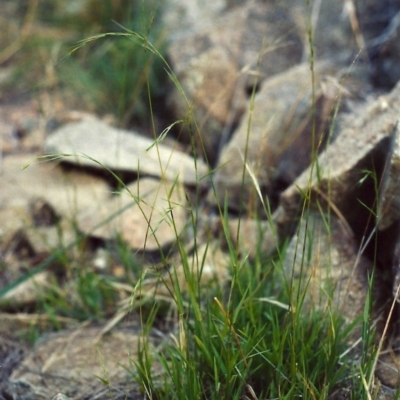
[[72, 361], [327, 272], [251, 34], [343, 176], [95, 144], [217, 66], [252, 237], [379, 23], [389, 205], [184, 17], [275, 136], [65, 193], [331, 31], [27, 293], [388, 222], [147, 214], [349, 31], [208, 264]]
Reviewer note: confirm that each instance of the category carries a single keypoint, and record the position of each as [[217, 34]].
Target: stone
[[253, 237], [328, 274], [275, 136], [20, 323], [182, 18], [24, 179], [389, 204], [72, 361], [382, 36], [387, 369], [208, 266], [243, 32], [92, 143], [331, 29], [39, 204], [356, 179], [27, 293], [47, 239], [42, 213], [218, 66], [343, 176], [26, 235], [148, 215], [210, 85], [385, 55], [388, 223]]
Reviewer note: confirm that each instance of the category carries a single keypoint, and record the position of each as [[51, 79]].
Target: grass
[[249, 337]]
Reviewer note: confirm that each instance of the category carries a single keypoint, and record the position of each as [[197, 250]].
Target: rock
[[47, 239], [365, 31], [210, 83], [72, 361], [388, 369], [95, 144], [332, 35], [389, 204], [19, 245], [240, 34], [42, 213], [27, 293], [60, 195], [182, 18], [148, 215], [208, 267], [380, 25], [344, 175], [277, 136], [341, 31], [385, 55], [60, 396], [388, 223], [253, 237], [217, 67], [327, 271], [20, 323], [20, 126], [65, 192], [25, 239], [347, 179]]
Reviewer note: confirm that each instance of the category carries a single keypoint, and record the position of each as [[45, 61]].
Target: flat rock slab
[[71, 362], [66, 192], [91, 142], [148, 215]]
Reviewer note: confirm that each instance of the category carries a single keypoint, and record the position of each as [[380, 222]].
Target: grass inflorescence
[[248, 337]]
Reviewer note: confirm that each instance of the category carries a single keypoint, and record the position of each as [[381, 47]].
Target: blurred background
[[106, 76]]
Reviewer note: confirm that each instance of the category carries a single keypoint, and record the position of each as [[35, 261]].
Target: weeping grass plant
[[247, 338]]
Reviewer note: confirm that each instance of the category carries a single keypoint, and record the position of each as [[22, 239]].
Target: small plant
[[250, 337]]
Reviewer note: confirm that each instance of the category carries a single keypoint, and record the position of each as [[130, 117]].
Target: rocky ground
[[98, 192]]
